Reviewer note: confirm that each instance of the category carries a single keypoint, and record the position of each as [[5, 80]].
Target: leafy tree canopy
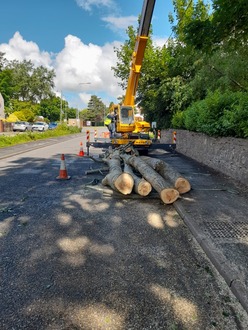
[[32, 84], [50, 108], [207, 54], [7, 87], [227, 24], [96, 109]]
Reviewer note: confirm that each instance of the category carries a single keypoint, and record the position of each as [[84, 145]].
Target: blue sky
[[76, 39]]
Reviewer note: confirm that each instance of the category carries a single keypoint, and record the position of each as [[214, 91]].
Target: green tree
[[25, 111], [153, 71], [227, 25], [183, 10], [230, 21], [41, 83], [3, 61], [32, 84], [7, 87], [124, 55], [85, 114], [71, 113], [96, 109], [199, 60], [150, 67], [50, 108], [28, 109]]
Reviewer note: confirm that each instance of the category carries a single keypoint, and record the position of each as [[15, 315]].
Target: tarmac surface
[[216, 212], [43, 283]]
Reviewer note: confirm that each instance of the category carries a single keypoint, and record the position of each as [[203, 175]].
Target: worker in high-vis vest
[[107, 121], [110, 123], [151, 134]]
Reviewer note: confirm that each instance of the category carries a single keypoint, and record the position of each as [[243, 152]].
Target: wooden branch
[[108, 153], [97, 170], [95, 160], [141, 186], [116, 179], [230, 78], [167, 194], [169, 173]]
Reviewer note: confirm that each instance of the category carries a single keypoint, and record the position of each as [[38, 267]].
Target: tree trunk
[[116, 179], [167, 194], [169, 173], [141, 186]]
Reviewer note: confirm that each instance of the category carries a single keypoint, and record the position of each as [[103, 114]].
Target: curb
[[217, 258]]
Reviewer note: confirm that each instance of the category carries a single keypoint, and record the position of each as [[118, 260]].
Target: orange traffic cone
[[81, 152], [63, 172]]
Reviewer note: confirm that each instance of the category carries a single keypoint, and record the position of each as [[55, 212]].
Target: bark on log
[[116, 179], [141, 186], [155, 163], [167, 194], [169, 173]]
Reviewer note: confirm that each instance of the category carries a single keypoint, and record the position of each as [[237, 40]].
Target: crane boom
[[138, 53], [127, 127]]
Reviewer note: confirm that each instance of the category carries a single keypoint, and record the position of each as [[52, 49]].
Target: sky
[[76, 38]]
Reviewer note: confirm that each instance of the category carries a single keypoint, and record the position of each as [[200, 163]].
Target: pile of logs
[[124, 161]]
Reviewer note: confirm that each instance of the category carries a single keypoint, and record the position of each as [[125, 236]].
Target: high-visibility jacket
[[107, 121], [151, 135]]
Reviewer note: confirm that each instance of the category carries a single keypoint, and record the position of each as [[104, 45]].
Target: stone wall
[[227, 155]]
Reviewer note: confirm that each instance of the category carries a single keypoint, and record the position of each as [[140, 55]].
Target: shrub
[[235, 120], [218, 114], [191, 116], [178, 120]]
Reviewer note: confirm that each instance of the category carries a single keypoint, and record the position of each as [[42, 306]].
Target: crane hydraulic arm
[[138, 53], [130, 129]]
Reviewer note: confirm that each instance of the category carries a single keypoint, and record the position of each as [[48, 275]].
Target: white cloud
[[76, 63], [20, 49], [115, 23], [160, 41], [80, 63], [88, 4], [85, 97]]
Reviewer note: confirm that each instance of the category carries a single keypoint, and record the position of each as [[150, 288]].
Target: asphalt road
[[75, 255]]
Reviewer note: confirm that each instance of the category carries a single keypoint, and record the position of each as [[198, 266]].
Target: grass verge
[[61, 130]]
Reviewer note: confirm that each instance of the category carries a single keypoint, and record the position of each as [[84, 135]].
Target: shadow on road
[[76, 256]]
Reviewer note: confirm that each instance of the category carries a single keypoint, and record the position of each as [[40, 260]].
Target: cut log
[[169, 173], [116, 179], [155, 163], [167, 194], [141, 186]]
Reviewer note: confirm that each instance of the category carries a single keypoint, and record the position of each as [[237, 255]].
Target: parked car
[[40, 126], [52, 125], [22, 126]]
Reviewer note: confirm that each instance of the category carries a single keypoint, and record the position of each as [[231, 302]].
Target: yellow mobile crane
[[130, 129]]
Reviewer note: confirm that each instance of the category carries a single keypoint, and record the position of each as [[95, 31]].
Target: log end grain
[[124, 183], [169, 196], [144, 188], [182, 185]]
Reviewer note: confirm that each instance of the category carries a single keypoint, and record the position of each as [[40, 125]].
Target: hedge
[[219, 114]]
